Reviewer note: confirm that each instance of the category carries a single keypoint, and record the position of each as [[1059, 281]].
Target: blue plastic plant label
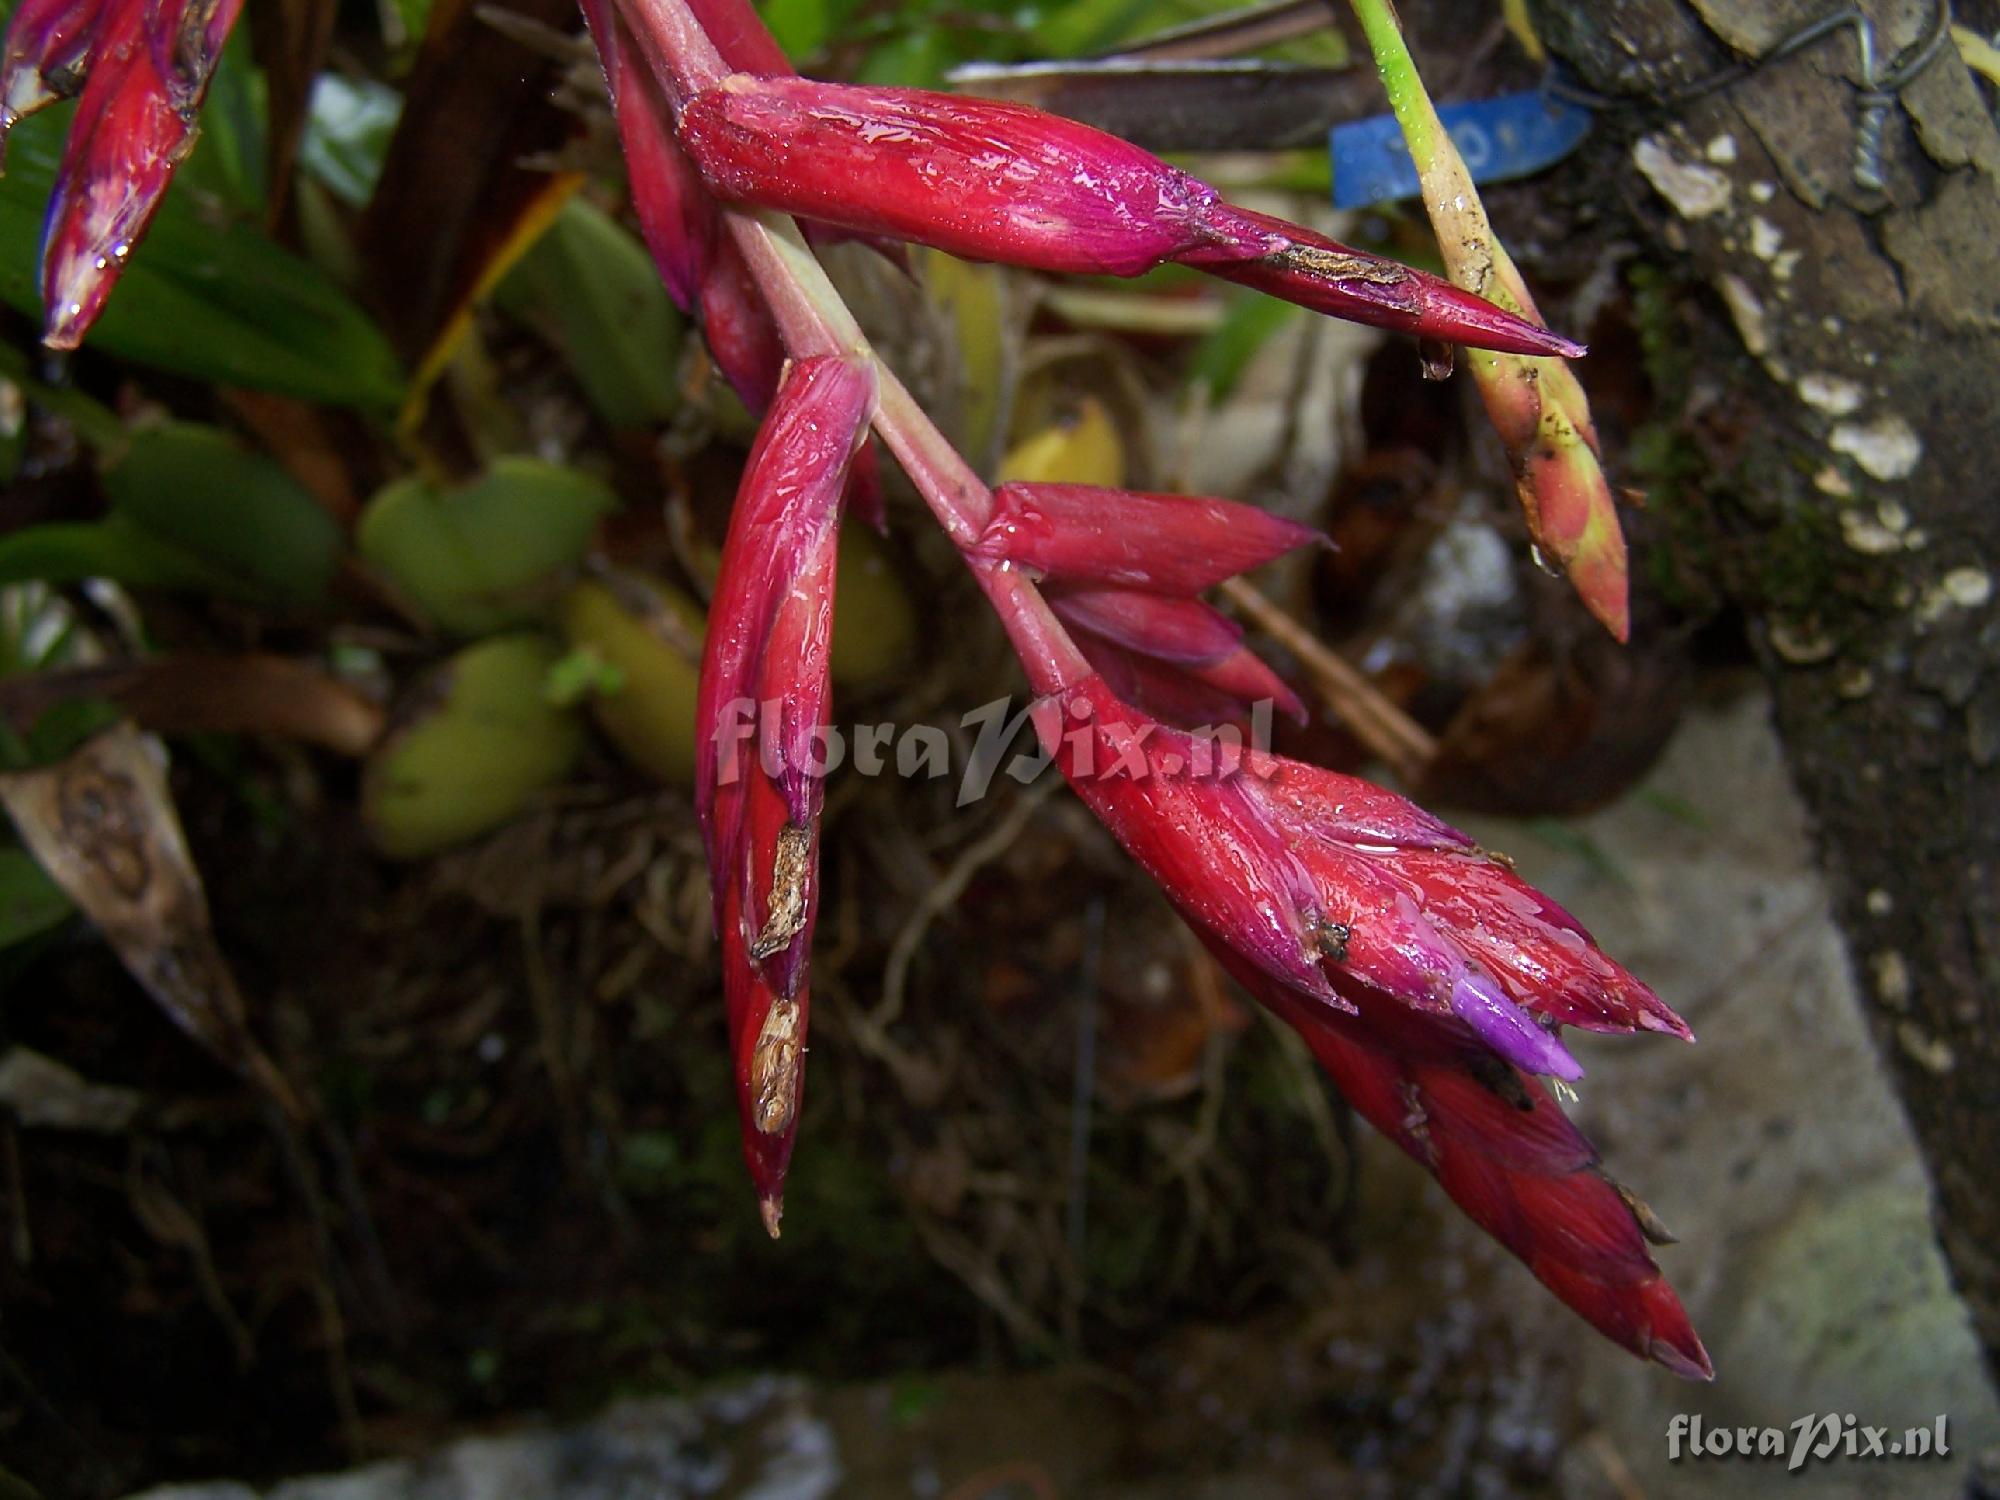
[[1509, 135]]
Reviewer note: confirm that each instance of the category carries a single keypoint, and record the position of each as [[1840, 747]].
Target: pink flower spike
[[1169, 544], [1540, 953], [1355, 812], [1168, 693], [1509, 1030], [736, 321], [1178, 658], [1499, 1145], [991, 180], [133, 126], [187, 38], [765, 683], [49, 48]]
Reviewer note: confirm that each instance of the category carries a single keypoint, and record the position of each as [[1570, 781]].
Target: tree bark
[[1839, 423]]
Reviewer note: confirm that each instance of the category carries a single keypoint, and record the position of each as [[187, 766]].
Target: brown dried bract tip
[[774, 1068], [791, 874], [1642, 1213]]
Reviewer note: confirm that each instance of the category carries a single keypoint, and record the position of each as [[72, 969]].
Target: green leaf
[[242, 517], [39, 632], [488, 555], [918, 59], [191, 509], [403, 25], [30, 902], [1219, 360], [590, 288], [346, 137], [801, 26], [206, 294], [1067, 30], [71, 551]]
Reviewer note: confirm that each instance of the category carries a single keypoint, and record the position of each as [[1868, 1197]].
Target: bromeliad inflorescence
[[1429, 980]]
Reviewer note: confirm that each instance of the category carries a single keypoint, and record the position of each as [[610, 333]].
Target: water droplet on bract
[[1542, 561]]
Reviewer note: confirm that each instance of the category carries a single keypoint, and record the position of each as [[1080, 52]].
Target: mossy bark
[[1846, 408]]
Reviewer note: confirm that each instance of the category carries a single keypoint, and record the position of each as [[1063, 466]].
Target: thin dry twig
[[1615, 1468], [1389, 733], [942, 895]]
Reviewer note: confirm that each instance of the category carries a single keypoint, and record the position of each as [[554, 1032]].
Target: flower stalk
[[763, 694], [1430, 981], [1536, 404]]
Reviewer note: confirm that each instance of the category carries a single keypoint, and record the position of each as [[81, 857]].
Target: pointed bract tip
[[76, 291], [771, 1209], [1666, 1023], [1461, 317], [1690, 1363]]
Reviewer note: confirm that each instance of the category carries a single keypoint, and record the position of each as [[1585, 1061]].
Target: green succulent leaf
[[489, 554], [479, 740]]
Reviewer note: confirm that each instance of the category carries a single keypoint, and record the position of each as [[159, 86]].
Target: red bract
[[149, 65], [682, 224], [684, 230], [990, 180], [1503, 1152], [1322, 274], [1427, 977], [1168, 544], [1178, 657], [763, 694], [1184, 631], [676, 216], [1121, 567]]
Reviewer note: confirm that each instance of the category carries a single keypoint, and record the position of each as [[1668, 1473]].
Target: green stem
[[1408, 99]]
